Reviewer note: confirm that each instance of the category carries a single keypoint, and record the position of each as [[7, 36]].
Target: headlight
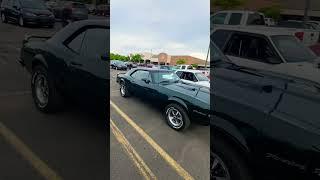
[[29, 14]]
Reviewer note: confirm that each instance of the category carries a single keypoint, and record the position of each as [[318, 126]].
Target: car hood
[[38, 11]]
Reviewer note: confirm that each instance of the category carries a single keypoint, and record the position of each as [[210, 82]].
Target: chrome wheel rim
[[218, 169], [42, 90], [175, 117], [122, 90]]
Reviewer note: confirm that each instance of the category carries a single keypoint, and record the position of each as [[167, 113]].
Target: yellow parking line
[[27, 154], [182, 172], [135, 157]]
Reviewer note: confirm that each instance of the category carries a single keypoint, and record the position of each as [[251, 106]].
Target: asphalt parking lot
[[143, 146], [66, 145]]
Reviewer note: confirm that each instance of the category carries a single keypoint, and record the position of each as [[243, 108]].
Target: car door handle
[[75, 64], [267, 88]]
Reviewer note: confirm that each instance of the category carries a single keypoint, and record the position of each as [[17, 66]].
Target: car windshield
[[201, 77], [166, 77], [292, 49], [33, 4]]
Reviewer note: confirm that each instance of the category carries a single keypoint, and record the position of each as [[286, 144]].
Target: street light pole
[[207, 57], [306, 11]]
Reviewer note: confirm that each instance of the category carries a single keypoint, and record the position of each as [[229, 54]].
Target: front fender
[[179, 101]]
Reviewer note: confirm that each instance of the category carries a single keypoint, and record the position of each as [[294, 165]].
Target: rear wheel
[[3, 18], [177, 117], [226, 163], [44, 92]]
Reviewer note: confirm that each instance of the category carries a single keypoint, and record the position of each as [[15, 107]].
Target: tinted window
[[292, 50], [183, 67], [190, 67], [255, 19], [136, 74], [95, 42], [144, 75], [201, 77], [33, 4], [78, 5], [250, 47], [76, 43], [219, 18], [179, 73], [220, 37], [166, 76], [235, 19]]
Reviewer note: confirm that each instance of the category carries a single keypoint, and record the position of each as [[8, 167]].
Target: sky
[[176, 27]]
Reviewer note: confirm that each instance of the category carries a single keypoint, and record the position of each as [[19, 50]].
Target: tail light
[[299, 35]]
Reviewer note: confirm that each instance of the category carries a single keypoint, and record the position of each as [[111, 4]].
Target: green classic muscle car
[[181, 102]]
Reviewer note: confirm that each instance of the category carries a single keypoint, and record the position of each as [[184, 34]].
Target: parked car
[[120, 65], [307, 33], [181, 103], [69, 65], [269, 21], [268, 50], [183, 67], [26, 12], [91, 8], [103, 10], [237, 18], [193, 77], [264, 124], [130, 65], [77, 10], [112, 63]]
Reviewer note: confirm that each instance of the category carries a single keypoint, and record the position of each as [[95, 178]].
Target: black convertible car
[[265, 125], [71, 64], [181, 102]]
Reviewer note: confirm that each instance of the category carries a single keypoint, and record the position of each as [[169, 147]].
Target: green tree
[[181, 61], [273, 12], [228, 4], [194, 65], [136, 58]]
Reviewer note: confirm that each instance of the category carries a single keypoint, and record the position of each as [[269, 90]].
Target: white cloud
[[179, 27]]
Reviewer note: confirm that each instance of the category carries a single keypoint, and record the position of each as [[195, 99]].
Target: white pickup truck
[[243, 19]]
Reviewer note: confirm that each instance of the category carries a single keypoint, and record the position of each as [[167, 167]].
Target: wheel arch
[[179, 102]]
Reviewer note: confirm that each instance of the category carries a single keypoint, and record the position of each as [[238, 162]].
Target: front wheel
[[124, 90], [44, 92], [177, 117]]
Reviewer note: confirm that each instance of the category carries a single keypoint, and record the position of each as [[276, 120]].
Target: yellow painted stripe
[[175, 165], [134, 156], [42, 168]]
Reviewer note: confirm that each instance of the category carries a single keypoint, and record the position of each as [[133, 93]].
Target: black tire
[[54, 99], [184, 123], [124, 92], [4, 18], [233, 161]]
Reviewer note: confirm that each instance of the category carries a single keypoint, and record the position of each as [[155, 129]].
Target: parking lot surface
[[167, 153], [66, 145]]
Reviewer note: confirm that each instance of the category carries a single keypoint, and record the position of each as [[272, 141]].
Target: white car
[[193, 77], [274, 51]]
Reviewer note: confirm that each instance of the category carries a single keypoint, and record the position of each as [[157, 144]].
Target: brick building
[[164, 58]]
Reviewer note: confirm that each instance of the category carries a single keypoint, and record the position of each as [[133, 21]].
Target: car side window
[[76, 43], [220, 37], [251, 47], [235, 19], [219, 18], [183, 67], [136, 75], [145, 75], [95, 42], [179, 73]]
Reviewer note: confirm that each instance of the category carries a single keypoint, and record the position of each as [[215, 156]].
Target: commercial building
[[166, 59]]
